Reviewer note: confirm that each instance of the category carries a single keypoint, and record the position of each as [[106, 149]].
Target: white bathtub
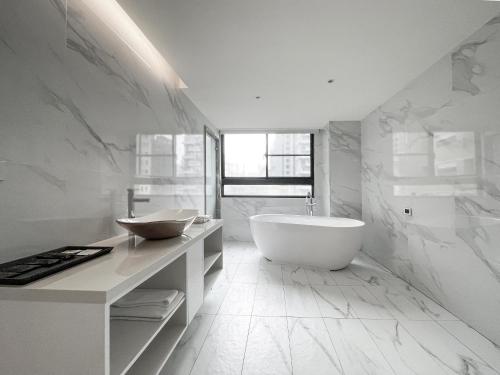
[[327, 242]]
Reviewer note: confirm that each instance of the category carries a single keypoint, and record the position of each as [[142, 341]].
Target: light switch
[[408, 211]]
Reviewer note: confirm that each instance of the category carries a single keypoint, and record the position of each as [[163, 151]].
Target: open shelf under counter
[[213, 252], [84, 294], [155, 357], [210, 259], [130, 338], [210, 279]]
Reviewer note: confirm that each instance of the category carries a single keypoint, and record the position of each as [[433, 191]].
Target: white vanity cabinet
[[195, 272], [61, 324]]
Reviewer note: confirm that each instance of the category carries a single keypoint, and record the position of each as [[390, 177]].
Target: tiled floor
[[264, 318]]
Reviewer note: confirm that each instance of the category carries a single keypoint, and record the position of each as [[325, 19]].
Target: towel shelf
[[210, 259], [129, 338]]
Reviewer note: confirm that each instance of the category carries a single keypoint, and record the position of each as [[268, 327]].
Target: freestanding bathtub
[[327, 242]]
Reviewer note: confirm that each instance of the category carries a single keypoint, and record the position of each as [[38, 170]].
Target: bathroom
[[261, 187]]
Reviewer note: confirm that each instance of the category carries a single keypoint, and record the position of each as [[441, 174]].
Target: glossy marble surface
[[81, 116], [435, 147], [103, 279], [344, 160], [293, 320]]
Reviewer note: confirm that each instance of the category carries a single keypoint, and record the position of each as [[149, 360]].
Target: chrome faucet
[[310, 203], [131, 202]]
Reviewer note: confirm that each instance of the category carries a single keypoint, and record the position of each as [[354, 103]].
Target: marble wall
[[344, 168], [435, 147], [75, 104]]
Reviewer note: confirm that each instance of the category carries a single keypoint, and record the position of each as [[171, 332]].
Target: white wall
[[344, 172], [73, 97], [435, 147]]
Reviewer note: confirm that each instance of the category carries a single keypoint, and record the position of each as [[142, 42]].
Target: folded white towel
[[147, 297], [153, 312], [146, 313]]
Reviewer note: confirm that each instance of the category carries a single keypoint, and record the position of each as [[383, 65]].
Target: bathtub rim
[[359, 223]]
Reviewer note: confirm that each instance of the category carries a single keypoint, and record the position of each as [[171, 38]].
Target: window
[[267, 164]]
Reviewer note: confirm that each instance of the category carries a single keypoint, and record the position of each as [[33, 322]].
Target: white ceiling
[[230, 51]]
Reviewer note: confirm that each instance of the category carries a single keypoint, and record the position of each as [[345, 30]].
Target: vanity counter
[[62, 324], [107, 278]]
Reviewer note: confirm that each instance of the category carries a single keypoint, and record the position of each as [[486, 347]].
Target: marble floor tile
[[270, 274], [398, 303], [223, 351], [239, 300], [229, 272], [366, 261], [346, 277], [356, 350], [214, 298], [260, 317], [480, 345], [332, 303], [382, 278], [186, 352], [247, 273], [252, 256], [300, 302], [294, 275], [311, 348], [452, 355], [269, 300], [402, 352], [374, 276], [425, 304], [364, 303], [268, 347], [317, 276], [233, 255]]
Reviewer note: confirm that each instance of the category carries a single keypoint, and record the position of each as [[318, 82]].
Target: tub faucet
[[131, 202], [310, 203]]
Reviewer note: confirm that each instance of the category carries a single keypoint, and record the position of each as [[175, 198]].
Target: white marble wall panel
[[73, 98], [345, 168], [236, 213], [435, 147]]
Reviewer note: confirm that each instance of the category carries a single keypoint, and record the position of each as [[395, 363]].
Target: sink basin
[[160, 225]]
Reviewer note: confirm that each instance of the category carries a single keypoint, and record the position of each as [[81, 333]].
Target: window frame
[[283, 181]]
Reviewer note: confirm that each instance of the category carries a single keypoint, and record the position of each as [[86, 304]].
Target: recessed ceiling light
[[331, 81]]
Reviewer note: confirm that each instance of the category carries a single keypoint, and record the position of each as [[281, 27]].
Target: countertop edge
[[21, 293]]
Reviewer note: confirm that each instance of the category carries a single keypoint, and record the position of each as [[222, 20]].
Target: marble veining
[[303, 326], [344, 168], [74, 100], [434, 147]]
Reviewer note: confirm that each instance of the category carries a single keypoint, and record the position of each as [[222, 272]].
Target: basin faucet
[[310, 203], [131, 202]]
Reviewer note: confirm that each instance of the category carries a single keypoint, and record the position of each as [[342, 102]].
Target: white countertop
[[104, 279]]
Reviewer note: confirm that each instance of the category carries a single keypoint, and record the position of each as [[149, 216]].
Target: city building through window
[[267, 164]]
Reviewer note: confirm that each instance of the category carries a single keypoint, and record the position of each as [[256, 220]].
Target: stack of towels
[[146, 304]]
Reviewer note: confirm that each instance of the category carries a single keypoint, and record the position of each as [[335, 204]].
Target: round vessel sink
[[160, 225]]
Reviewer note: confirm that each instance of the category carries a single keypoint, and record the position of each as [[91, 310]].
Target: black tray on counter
[[26, 270]]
